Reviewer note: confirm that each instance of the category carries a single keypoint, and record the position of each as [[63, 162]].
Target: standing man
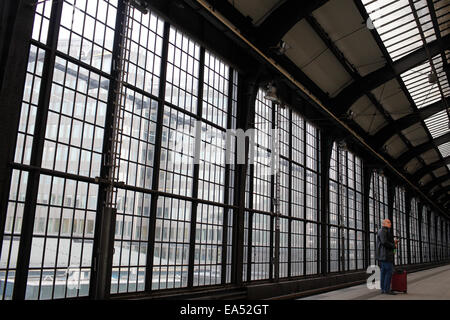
[[385, 255]]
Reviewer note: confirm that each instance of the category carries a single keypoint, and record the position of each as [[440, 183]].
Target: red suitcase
[[398, 282]]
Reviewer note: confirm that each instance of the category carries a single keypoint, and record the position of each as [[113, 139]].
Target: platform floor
[[432, 284]]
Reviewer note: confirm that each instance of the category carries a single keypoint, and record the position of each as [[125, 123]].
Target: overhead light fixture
[[281, 48], [271, 94], [342, 144], [350, 114], [432, 78]]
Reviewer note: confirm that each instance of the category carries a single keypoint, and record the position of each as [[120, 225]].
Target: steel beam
[[348, 96], [326, 147], [417, 151], [441, 192], [383, 135], [430, 168], [284, 18], [433, 183]]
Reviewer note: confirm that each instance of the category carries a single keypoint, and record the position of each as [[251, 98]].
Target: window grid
[[131, 241], [76, 118], [171, 249], [345, 211], [63, 239], [29, 105], [182, 71], [414, 232], [297, 248], [87, 31], [260, 246], [42, 21], [11, 237], [66, 208], [208, 245], [143, 63], [399, 226], [425, 236]]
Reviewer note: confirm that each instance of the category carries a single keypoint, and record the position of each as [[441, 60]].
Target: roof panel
[[296, 38], [416, 134], [339, 18], [427, 178], [367, 116], [412, 166], [440, 172], [430, 156], [395, 146], [344, 25], [256, 11], [328, 73], [393, 99]]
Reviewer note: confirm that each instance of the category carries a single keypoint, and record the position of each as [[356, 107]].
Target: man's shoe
[[391, 293]]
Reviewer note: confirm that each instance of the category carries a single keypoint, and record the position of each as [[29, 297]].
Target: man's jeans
[[386, 276]]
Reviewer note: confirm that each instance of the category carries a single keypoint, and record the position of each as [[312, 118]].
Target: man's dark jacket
[[385, 245]]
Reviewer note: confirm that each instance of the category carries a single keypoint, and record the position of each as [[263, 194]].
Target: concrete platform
[[432, 284]]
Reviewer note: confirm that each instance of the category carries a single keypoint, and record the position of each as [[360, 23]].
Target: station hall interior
[[222, 149]]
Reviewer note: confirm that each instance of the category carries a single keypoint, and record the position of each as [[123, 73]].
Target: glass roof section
[[395, 23], [445, 149], [398, 29], [438, 124], [421, 90]]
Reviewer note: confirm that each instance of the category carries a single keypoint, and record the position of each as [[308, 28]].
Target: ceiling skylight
[[400, 32], [438, 124], [445, 149], [395, 23], [421, 90]]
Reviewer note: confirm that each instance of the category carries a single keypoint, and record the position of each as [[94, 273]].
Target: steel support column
[[390, 199], [419, 221], [326, 147], [157, 159], [228, 179], [101, 274], [247, 91], [367, 175], [408, 198], [17, 19], [197, 142]]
